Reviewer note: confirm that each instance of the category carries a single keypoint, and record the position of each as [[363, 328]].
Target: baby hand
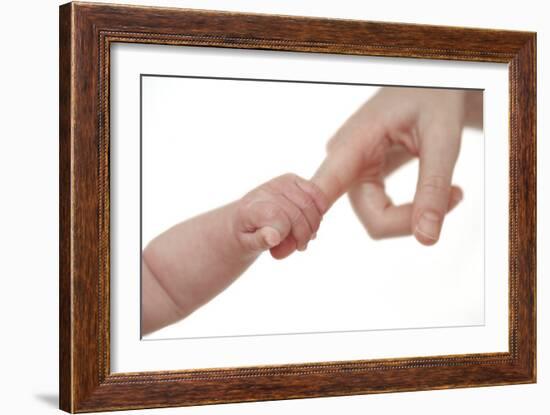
[[281, 215]]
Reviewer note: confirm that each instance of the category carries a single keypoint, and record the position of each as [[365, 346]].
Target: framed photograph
[[258, 207]]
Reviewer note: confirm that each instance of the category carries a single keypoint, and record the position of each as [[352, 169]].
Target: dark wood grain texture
[[65, 246], [86, 32]]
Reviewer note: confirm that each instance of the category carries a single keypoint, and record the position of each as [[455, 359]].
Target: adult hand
[[389, 129]]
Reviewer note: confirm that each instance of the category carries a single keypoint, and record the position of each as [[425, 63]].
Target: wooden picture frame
[[86, 33]]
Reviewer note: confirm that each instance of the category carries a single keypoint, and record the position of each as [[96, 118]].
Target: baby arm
[[190, 263]]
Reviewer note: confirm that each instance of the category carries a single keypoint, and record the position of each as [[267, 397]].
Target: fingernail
[[429, 225], [314, 236], [272, 240], [457, 197], [302, 248]]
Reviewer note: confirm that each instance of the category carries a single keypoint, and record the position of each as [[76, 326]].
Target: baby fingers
[[263, 239], [262, 224], [300, 228], [282, 215], [306, 206]]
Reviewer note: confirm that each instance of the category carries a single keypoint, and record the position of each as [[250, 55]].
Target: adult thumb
[[434, 193]]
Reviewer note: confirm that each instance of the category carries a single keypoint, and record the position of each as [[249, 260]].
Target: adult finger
[[372, 205], [344, 162], [380, 217], [337, 172], [438, 153], [396, 156], [455, 198]]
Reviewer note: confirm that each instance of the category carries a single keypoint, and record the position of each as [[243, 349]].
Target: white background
[[345, 280], [28, 166], [439, 287]]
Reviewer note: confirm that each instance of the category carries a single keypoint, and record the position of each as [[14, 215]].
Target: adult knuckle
[[435, 184]]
